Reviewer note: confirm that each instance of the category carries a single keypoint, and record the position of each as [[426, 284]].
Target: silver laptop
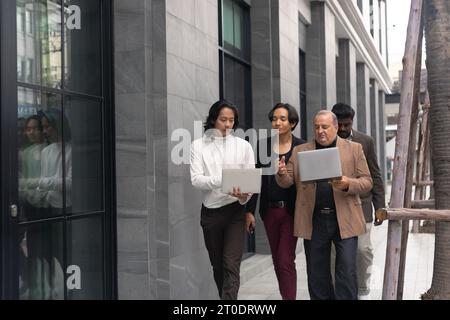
[[248, 180], [321, 164]]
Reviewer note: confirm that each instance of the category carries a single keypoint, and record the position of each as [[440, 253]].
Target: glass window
[[228, 26], [28, 22], [41, 154], [61, 151], [85, 259], [41, 274], [20, 19], [236, 28], [83, 46], [42, 45], [237, 88], [234, 52], [360, 5], [84, 187], [19, 69], [372, 18]]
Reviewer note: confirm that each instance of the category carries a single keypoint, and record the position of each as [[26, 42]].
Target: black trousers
[[223, 231], [318, 251]]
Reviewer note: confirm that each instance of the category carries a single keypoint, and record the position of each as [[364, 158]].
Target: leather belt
[[277, 204]]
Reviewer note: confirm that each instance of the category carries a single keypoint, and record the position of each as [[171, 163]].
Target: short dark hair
[[34, 117], [58, 121], [292, 113], [343, 111], [214, 112]]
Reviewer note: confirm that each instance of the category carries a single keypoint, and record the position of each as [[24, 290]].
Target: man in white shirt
[[222, 215]]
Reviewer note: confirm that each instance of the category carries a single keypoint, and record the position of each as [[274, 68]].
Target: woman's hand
[[249, 222], [282, 170]]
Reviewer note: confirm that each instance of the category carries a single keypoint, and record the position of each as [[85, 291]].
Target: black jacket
[[267, 180], [377, 195]]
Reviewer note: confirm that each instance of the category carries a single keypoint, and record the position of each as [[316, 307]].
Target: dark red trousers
[[279, 226]]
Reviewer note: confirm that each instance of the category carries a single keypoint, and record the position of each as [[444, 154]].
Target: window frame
[[225, 53], [9, 85]]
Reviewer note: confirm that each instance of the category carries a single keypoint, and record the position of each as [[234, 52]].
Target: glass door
[[60, 237]]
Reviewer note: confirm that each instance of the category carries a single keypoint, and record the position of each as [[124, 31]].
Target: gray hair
[[327, 112]]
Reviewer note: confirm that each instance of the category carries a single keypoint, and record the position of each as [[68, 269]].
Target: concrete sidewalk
[[258, 280]]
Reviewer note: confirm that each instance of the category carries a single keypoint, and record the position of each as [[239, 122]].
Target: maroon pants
[[279, 226]]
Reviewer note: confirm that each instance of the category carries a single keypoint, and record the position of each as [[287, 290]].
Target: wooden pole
[[394, 214], [410, 171], [424, 183], [420, 172], [423, 204], [414, 36]]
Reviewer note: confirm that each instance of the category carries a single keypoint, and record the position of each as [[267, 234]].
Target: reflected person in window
[[30, 201], [51, 181], [45, 240], [30, 166]]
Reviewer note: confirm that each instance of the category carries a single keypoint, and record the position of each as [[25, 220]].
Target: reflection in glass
[[53, 133], [85, 259], [41, 169], [52, 170], [227, 20], [82, 45], [41, 275], [30, 166], [32, 142], [236, 29], [39, 42], [86, 189]]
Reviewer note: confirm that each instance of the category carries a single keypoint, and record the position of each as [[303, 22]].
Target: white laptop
[[321, 164], [248, 180]]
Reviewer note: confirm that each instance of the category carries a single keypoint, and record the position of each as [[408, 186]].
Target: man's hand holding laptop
[[340, 183]]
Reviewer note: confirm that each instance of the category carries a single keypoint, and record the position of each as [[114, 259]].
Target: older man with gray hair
[[329, 212]]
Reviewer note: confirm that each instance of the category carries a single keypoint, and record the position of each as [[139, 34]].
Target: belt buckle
[[281, 204], [326, 210]]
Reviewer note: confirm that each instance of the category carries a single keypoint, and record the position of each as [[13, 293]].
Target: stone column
[[262, 85], [346, 75], [320, 62], [374, 115], [289, 52], [363, 98], [261, 37], [382, 134], [141, 138]]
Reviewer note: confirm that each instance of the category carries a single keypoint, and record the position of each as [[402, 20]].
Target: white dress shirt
[[211, 154], [51, 181]]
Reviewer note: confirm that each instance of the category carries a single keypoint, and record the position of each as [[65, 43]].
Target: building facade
[[128, 81]]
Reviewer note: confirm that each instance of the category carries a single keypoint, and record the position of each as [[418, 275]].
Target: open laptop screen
[[321, 164], [248, 180]]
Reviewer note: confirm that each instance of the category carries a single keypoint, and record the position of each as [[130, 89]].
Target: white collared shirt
[[209, 155]]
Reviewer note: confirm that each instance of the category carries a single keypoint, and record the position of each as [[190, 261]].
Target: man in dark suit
[[376, 196]]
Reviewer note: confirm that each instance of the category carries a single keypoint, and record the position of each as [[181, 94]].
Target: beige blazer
[[349, 212]]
